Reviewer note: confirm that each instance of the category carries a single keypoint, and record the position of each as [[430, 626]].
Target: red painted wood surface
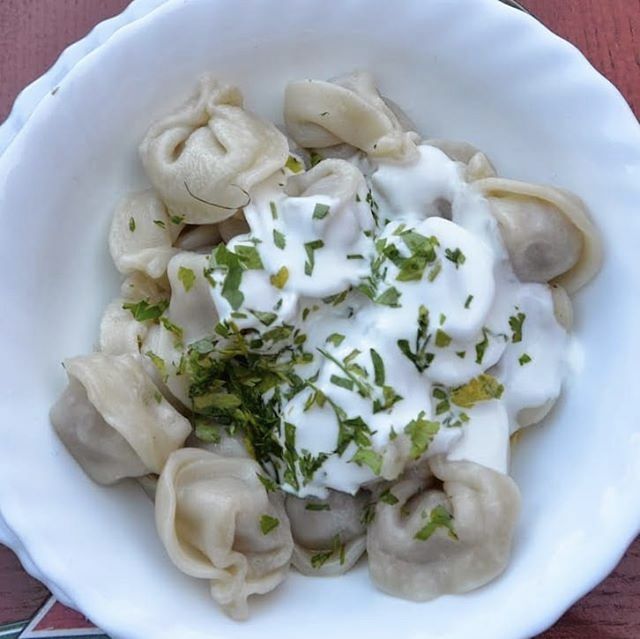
[[32, 34]]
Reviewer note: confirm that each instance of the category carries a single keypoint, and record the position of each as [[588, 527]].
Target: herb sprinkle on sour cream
[[360, 329]]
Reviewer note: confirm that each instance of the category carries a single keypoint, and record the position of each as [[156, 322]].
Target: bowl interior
[[475, 71]]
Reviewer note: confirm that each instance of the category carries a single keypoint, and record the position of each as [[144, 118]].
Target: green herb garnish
[[268, 524], [439, 517], [320, 211], [310, 248], [187, 277], [480, 389], [294, 165], [515, 323], [279, 239], [142, 311], [280, 278]]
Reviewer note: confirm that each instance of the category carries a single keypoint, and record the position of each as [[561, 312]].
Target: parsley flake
[[515, 324], [280, 278], [268, 524], [187, 277], [279, 239], [320, 211], [439, 517]]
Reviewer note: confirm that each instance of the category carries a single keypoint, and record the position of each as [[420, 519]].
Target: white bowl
[[469, 69]]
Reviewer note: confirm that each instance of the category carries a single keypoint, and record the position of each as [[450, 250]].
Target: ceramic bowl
[[468, 69]]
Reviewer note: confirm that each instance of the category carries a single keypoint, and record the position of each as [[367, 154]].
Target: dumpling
[[347, 109], [217, 522], [235, 225], [547, 232], [120, 332], [113, 420], [142, 234], [478, 165], [191, 307], [204, 158], [329, 534], [202, 237], [426, 541], [139, 286], [191, 315]]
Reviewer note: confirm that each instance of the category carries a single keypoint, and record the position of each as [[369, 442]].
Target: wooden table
[[33, 32]]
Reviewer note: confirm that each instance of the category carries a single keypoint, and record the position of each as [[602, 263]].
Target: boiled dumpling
[[204, 158], [139, 286], [191, 315], [235, 225], [426, 541], [217, 522], [347, 109], [202, 237], [191, 307], [120, 332], [142, 234], [547, 232], [328, 533], [113, 420]]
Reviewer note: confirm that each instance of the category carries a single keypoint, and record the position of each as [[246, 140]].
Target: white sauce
[[470, 301]]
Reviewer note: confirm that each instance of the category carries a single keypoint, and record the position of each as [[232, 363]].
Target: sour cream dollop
[[380, 331]]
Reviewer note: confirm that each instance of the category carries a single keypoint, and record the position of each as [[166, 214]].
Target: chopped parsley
[[268, 524], [320, 211], [368, 457], [160, 223], [269, 485], [419, 356], [335, 338], [187, 277], [280, 278], [421, 431], [515, 324], [442, 339], [482, 345], [159, 363], [456, 256], [389, 298], [314, 158], [279, 239], [274, 210], [143, 311], [266, 318], [311, 248], [524, 359], [378, 367], [468, 301], [482, 388], [317, 506], [387, 497], [293, 164], [439, 517], [132, 224]]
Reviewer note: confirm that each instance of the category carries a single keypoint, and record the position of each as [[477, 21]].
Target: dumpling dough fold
[[204, 158], [113, 419], [427, 541], [347, 109], [217, 522]]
